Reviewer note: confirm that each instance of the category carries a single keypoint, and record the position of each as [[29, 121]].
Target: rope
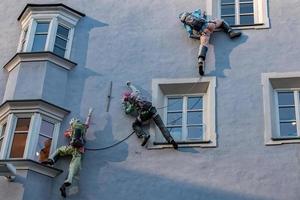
[[115, 144]]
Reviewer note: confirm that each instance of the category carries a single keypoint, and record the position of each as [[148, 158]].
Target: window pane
[[59, 51], [247, 19], [246, 8], [42, 27], [195, 132], [285, 98], [194, 118], [47, 128], [43, 149], [175, 104], [60, 42], [18, 145], [3, 130], [288, 129], [194, 103], [229, 20], [227, 9], [62, 31], [227, 1], [174, 118], [176, 133], [39, 42], [287, 113], [23, 124], [246, 0], [1, 140]]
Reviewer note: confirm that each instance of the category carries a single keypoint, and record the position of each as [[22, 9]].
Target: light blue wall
[[141, 40]]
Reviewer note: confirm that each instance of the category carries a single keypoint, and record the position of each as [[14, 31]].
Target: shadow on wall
[[94, 161], [114, 182], [222, 49], [81, 72]]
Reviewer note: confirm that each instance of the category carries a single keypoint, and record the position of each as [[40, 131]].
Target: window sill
[[191, 144], [39, 56], [286, 138], [248, 27], [251, 26], [279, 141], [27, 164]]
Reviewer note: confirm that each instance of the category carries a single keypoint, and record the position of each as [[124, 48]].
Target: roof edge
[[50, 5]]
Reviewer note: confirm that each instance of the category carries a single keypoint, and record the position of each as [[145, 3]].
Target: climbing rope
[[115, 144]]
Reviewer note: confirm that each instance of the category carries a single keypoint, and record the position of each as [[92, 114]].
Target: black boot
[[175, 145], [145, 140], [201, 66], [227, 29], [201, 58], [48, 162], [63, 189], [51, 160]]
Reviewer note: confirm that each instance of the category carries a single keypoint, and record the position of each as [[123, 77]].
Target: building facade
[[238, 127]]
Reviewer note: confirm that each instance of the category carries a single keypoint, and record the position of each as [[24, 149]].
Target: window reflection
[[44, 141], [20, 137], [40, 36]]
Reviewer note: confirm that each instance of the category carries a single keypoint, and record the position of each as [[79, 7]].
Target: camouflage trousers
[[75, 163]]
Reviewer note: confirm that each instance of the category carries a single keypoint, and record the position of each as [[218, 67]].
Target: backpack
[[77, 137], [196, 21], [146, 111]]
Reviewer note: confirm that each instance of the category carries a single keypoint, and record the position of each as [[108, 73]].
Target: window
[[185, 117], [44, 141], [237, 12], [286, 110], [61, 40], [240, 13], [47, 37], [19, 138], [40, 36], [281, 107], [187, 107], [48, 27], [31, 129]]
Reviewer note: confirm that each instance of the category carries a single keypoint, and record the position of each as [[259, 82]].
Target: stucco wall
[[141, 40]]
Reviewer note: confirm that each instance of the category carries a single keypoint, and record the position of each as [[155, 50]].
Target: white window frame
[[205, 86], [37, 111], [30, 23], [184, 124], [272, 83], [297, 114], [2, 123], [260, 8], [32, 135]]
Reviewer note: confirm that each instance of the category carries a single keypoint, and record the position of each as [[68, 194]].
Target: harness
[[195, 22]]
